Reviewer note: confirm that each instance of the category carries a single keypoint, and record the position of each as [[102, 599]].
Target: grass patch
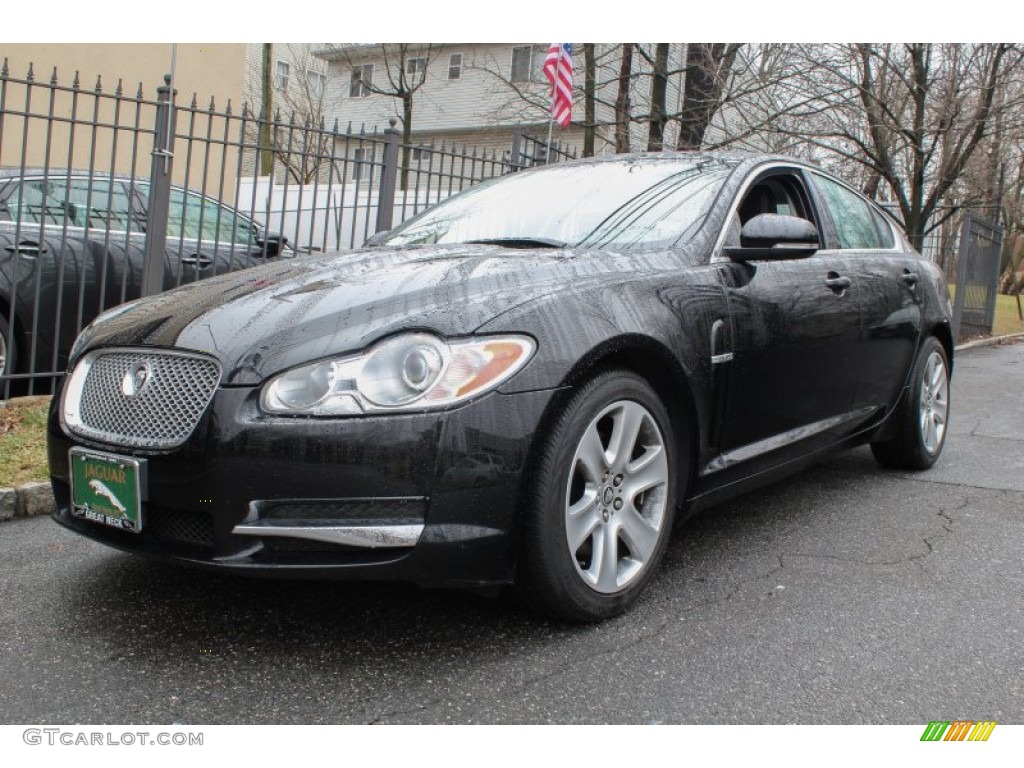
[[1007, 320], [23, 441]]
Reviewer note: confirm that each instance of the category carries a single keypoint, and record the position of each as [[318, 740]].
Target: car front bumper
[[364, 498]]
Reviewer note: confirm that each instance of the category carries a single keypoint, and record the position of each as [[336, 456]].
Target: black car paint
[[653, 312]]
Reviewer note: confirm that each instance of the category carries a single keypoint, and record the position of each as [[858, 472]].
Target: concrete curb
[[988, 341], [28, 500]]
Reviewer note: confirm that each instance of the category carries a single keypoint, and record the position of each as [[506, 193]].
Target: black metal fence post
[[961, 272], [977, 277], [388, 179], [513, 159], [159, 192]]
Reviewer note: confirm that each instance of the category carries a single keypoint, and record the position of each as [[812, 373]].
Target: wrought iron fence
[[107, 195], [977, 281]]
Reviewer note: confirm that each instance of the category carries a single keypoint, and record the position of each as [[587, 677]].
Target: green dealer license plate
[[107, 489]]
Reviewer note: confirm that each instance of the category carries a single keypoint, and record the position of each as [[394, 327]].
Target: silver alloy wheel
[[934, 405], [3, 354], [616, 496]]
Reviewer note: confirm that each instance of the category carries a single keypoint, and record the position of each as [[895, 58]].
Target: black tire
[[922, 417], [8, 357], [624, 506]]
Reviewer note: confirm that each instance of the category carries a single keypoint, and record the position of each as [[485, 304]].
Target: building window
[[281, 76], [527, 61], [316, 83], [416, 66], [455, 66], [362, 162], [362, 80]]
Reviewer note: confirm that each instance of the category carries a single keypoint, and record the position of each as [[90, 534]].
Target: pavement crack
[[912, 478]]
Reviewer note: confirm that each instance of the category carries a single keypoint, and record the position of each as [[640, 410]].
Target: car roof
[[14, 172], [732, 157]]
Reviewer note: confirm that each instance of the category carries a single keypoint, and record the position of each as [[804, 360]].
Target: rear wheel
[[603, 501], [6, 347], [922, 416]]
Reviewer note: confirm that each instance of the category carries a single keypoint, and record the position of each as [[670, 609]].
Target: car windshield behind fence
[[645, 204]]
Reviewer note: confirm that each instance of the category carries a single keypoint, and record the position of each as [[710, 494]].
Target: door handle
[[27, 248], [837, 284], [197, 260], [910, 278]]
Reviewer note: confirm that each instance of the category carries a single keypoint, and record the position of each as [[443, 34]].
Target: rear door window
[[852, 216], [195, 217]]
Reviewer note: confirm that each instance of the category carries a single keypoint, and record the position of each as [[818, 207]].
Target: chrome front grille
[[138, 397]]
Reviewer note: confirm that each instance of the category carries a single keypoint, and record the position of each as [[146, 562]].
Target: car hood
[[260, 321]]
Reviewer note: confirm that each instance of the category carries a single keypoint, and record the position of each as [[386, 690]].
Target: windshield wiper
[[519, 242]]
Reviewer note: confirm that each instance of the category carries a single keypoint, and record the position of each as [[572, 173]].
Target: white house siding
[[440, 105], [481, 108]]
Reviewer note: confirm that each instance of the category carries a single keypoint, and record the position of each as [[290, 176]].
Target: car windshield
[[644, 203]]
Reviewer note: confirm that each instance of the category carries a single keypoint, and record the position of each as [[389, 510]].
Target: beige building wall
[[207, 71]]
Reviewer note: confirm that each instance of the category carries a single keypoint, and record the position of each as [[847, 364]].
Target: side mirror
[[375, 240], [271, 243], [773, 237]]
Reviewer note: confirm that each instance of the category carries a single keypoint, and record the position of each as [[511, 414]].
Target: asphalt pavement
[[846, 594]]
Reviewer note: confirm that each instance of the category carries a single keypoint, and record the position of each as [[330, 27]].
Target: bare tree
[[589, 97], [622, 99], [266, 108], [659, 95], [404, 67], [708, 66], [912, 116], [289, 121]]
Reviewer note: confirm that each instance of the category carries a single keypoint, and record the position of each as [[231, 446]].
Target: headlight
[[413, 371]]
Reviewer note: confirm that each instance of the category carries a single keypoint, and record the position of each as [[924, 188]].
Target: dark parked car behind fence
[[74, 245]]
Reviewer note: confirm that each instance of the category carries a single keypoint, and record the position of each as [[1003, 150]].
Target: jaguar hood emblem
[[136, 379]]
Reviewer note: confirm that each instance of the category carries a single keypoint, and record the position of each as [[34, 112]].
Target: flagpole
[[551, 114]]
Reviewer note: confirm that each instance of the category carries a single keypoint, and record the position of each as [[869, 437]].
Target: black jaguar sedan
[[527, 385]]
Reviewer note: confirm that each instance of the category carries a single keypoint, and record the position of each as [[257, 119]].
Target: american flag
[[558, 70]]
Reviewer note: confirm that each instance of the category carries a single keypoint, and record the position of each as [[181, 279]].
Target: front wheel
[[599, 514], [922, 416]]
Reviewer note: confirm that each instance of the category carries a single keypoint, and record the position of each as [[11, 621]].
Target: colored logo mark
[[958, 730]]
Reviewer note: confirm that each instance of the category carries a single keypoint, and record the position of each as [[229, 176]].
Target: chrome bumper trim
[[366, 536]]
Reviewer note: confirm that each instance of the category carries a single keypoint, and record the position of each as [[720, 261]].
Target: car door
[[795, 326], [205, 238], [890, 299]]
